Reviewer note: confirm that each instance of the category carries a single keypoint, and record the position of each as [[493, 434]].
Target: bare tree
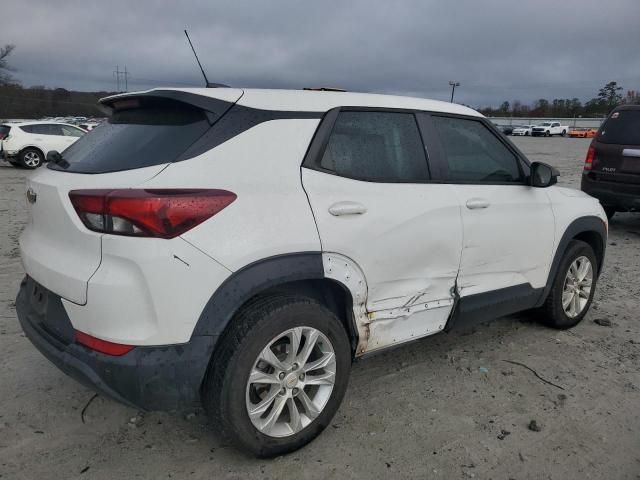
[[5, 76]]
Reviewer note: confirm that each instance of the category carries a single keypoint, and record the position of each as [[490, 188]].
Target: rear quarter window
[[622, 127], [153, 132], [4, 131]]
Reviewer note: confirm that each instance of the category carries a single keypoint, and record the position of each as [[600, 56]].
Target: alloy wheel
[[291, 382], [31, 159], [577, 287]]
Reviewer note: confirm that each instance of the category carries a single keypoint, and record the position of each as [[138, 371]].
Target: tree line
[[609, 97], [17, 101]]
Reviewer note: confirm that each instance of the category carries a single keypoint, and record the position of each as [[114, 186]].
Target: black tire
[[31, 158], [547, 133], [564, 132], [526, 134], [224, 387], [610, 211], [553, 314]]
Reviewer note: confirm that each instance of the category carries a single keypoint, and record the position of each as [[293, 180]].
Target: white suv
[[26, 144], [237, 249]]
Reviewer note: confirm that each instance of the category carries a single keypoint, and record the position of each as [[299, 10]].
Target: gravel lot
[[447, 407]]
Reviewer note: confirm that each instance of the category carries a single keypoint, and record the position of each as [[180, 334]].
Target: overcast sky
[[497, 50]]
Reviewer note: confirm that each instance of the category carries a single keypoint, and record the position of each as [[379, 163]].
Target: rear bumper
[[149, 378], [623, 196], [538, 134]]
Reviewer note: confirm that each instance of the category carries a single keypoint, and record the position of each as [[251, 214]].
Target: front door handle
[[347, 208], [475, 203]]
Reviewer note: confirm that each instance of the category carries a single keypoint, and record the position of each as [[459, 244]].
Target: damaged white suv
[[237, 249]]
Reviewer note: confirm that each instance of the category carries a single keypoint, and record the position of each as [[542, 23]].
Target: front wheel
[[279, 375], [547, 133], [573, 288]]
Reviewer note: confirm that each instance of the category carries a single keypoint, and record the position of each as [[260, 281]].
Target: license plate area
[[630, 165]]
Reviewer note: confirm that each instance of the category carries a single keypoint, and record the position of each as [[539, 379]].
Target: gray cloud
[[496, 49]]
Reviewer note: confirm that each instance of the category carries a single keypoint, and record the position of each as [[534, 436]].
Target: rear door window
[[376, 147], [622, 127], [144, 132], [474, 154], [69, 131], [55, 130]]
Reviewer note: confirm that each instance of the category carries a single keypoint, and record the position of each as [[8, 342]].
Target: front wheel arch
[[591, 230]]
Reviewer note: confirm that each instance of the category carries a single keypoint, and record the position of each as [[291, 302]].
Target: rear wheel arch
[[300, 274], [32, 147]]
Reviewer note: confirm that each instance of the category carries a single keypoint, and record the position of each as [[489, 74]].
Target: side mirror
[[53, 156], [543, 175]]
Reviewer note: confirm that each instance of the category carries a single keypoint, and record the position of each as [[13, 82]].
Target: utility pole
[[125, 75], [453, 88], [116, 72]]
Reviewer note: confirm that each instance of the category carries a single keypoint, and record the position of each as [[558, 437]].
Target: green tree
[[610, 95], [5, 76]]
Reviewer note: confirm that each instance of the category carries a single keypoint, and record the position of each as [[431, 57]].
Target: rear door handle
[[475, 203], [347, 208]]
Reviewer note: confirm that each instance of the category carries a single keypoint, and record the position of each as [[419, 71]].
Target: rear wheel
[[564, 132], [279, 375], [31, 158], [573, 288]]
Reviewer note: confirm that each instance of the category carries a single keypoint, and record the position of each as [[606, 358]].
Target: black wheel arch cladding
[[590, 229], [251, 280]]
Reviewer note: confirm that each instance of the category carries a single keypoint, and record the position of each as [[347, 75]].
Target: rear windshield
[[4, 131], [144, 132], [622, 127]]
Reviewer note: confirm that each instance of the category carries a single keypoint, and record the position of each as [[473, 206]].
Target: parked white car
[[27, 143], [523, 130], [257, 241], [548, 129]]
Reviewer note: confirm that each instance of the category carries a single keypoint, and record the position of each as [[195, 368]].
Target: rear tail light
[[591, 156], [102, 346], [148, 213]]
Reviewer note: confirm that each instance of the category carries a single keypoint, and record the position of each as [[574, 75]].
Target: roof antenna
[[206, 80]]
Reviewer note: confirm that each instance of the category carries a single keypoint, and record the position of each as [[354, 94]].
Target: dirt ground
[[449, 406]]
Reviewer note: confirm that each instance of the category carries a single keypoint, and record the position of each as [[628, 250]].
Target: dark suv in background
[[612, 167]]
